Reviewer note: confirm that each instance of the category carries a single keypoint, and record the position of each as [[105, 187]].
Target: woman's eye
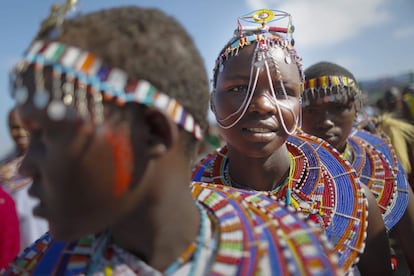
[[238, 89], [280, 93]]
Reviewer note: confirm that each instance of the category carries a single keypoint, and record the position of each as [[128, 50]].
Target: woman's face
[[18, 133], [260, 131], [76, 167], [331, 121]]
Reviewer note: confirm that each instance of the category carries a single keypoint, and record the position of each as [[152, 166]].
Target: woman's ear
[[212, 106], [163, 132]]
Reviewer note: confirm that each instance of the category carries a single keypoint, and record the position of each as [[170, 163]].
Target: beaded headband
[[88, 71], [329, 89], [259, 31]]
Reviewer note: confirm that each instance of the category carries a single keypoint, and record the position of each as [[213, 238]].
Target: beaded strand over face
[[269, 44]]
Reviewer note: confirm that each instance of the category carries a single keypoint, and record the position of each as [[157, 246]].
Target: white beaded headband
[[106, 83]]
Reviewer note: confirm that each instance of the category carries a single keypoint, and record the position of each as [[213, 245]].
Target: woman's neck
[[164, 224], [261, 174]]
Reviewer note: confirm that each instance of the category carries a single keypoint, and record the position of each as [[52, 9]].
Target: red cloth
[[9, 230]]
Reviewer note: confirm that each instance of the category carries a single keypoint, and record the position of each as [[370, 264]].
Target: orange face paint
[[123, 160]]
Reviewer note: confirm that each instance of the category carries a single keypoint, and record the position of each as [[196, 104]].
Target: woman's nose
[[326, 120], [263, 103]]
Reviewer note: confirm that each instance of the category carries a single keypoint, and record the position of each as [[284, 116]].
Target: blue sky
[[372, 38]]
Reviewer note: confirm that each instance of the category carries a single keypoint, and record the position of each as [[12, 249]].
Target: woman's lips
[[259, 134]]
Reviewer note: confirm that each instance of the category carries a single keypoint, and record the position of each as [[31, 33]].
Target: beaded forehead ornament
[[82, 81], [272, 43], [326, 89]]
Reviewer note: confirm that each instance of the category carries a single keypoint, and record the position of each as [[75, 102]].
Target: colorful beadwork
[[259, 31], [87, 70], [246, 233], [329, 88], [377, 165], [324, 187]]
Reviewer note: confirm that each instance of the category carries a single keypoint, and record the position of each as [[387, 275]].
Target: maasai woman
[[110, 156], [331, 100], [257, 83]]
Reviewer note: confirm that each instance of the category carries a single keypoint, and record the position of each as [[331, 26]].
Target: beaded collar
[[251, 235], [88, 71], [258, 236], [378, 167], [324, 187]]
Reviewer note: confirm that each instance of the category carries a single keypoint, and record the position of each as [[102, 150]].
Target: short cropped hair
[[147, 44]]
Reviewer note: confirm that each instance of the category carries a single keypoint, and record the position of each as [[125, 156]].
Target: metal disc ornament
[[56, 110], [21, 94], [41, 99]]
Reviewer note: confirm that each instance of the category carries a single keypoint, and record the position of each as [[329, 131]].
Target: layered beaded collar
[[377, 166], [245, 234], [94, 80], [323, 186]]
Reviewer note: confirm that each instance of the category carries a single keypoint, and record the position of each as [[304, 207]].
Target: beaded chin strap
[[87, 77], [270, 46], [326, 89]]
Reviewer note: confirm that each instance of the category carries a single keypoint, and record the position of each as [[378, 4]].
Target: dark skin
[[256, 144], [330, 121], [77, 193], [258, 157], [19, 135], [333, 122]]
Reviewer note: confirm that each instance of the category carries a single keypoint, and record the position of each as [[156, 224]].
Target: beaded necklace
[[194, 249], [251, 234], [257, 235], [323, 185], [378, 168]]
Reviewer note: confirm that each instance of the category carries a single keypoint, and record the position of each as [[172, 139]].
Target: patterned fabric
[[378, 167], [31, 227], [9, 230], [250, 235], [324, 187], [10, 179]]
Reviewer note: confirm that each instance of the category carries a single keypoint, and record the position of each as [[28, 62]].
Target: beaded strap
[[89, 70]]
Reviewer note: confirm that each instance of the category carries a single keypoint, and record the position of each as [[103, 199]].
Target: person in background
[[31, 227], [257, 84], [331, 101], [115, 102]]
